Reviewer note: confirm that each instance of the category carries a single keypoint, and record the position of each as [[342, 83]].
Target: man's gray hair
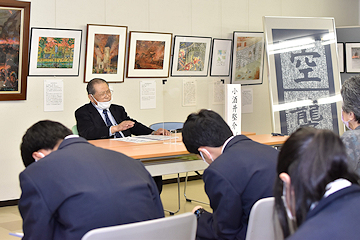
[[90, 86], [350, 92]]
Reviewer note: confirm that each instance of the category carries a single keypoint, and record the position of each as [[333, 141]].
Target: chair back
[[179, 227], [167, 125], [74, 130], [263, 223]]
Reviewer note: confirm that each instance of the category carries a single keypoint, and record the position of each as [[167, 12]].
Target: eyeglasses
[[105, 93]]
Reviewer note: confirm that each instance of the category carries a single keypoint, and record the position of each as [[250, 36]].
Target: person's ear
[[91, 98], [38, 155], [206, 154], [351, 116], [286, 180], [288, 193]]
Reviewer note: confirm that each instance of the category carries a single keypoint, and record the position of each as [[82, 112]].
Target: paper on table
[[145, 138], [20, 235]]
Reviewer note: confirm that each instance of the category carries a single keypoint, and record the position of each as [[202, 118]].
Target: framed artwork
[[54, 52], [105, 52], [341, 59], [149, 55], [352, 57], [248, 58], [221, 57], [14, 39], [303, 73], [191, 56]]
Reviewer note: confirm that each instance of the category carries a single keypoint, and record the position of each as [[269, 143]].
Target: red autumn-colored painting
[[106, 53], [149, 54]]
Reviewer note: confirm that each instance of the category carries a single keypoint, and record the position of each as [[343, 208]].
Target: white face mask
[[202, 156], [346, 123], [102, 105]]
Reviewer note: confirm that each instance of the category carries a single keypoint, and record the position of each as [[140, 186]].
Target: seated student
[[240, 172], [350, 115], [102, 119], [75, 187], [316, 194]]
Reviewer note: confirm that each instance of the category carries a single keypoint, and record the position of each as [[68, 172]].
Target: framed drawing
[[149, 55], [191, 56], [221, 57], [54, 52], [352, 57], [14, 39], [303, 73], [105, 52], [248, 57], [341, 59]]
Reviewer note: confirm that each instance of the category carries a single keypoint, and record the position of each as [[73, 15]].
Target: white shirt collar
[[333, 187], [225, 143], [71, 136]]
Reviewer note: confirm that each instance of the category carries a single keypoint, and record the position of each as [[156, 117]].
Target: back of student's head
[[312, 158], [205, 128], [42, 135]]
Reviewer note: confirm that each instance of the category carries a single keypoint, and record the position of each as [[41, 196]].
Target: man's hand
[[124, 125], [162, 131]]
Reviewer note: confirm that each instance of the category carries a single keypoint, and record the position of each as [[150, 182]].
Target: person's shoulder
[[350, 134], [115, 106], [84, 107]]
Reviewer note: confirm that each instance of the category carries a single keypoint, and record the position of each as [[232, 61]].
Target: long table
[[167, 157], [156, 150]]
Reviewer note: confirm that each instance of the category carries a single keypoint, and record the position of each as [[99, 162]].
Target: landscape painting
[[106, 53], [149, 54], [54, 52]]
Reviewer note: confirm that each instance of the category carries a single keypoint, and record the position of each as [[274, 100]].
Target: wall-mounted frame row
[[147, 54], [349, 57]]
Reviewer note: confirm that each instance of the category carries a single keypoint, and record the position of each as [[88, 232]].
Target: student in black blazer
[[240, 172], [317, 195], [75, 187]]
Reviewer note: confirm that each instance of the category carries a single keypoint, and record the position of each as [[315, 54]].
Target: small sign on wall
[[53, 95], [233, 107]]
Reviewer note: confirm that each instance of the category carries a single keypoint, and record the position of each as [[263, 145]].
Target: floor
[[10, 220]]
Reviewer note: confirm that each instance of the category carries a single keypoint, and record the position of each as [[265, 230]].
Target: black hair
[[205, 128], [312, 158], [42, 135], [350, 93], [90, 86]]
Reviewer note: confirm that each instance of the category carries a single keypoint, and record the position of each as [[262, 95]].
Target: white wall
[[212, 18]]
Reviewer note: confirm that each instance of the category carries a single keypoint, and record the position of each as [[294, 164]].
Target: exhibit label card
[[189, 92], [147, 94], [53, 95]]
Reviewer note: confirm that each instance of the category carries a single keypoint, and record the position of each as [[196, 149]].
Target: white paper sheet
[[53, 95], [189, 92], [147, 94], [247, 100], [219, 92]]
